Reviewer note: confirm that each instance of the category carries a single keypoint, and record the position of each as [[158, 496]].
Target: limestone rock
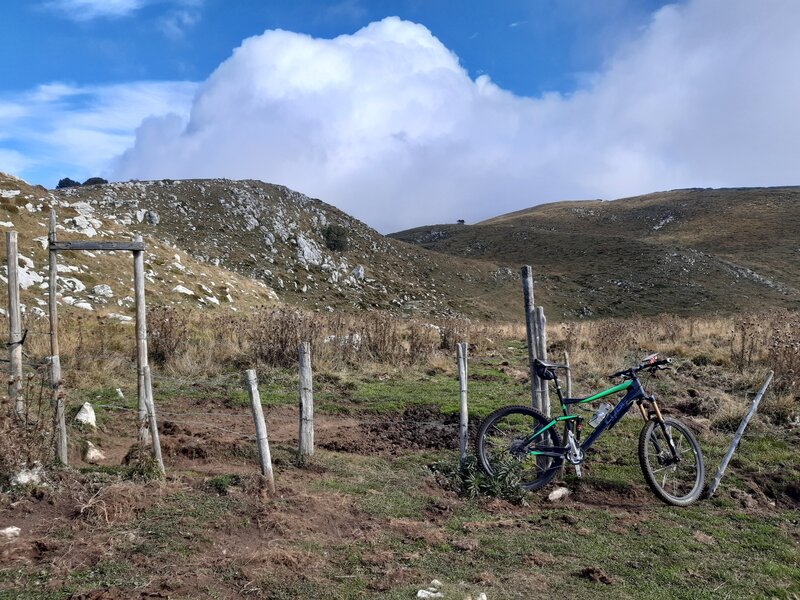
[[92, 454], [86, 415]]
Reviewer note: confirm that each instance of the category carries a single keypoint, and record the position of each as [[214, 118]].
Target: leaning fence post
[[261, 428], [739, 432], [530, 322], [463, 421], [306, 434], [14, 328], [151, 411]]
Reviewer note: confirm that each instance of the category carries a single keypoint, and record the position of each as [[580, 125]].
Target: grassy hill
[[214, 243], [683, 251]]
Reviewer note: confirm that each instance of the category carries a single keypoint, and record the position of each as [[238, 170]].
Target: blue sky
[[410, 111]]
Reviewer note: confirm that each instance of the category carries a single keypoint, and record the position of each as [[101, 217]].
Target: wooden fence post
[[569, 374], [58, 405], [141, 338], [151, 412], [739, 432], [464, 417], [14, 327], [306, 434], [530, 322], [261, 428], [57, 398], [541, 330]]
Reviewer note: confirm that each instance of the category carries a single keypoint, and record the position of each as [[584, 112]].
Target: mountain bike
[[669, 455]]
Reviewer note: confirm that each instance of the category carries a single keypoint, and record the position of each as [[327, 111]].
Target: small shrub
[[468, 480], [95, 181], [168, 330], [335, 237]]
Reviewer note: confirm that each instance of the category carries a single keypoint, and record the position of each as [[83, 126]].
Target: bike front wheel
[[501, 446], [678, 482]]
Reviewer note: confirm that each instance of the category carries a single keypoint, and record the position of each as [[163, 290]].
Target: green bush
[[468, 480], [67, 182], [336, 238]]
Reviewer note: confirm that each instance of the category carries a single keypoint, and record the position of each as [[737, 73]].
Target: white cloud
[[86, 10], [386, 124], [77, 129]]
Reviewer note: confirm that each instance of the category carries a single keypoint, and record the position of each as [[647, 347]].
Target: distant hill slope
[[686, 251], [239, 244]]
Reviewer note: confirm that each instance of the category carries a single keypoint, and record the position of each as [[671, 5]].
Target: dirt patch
[[416, 428]]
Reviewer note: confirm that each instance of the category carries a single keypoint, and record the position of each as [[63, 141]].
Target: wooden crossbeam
[[129, 246]]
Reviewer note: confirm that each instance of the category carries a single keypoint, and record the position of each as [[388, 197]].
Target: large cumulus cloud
[[387, 125]]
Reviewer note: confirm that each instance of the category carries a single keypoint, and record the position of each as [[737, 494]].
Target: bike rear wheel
[[678, 483], [500, 446]]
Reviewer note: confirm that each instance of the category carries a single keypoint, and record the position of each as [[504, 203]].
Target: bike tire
[[678, 484], [512, 423]]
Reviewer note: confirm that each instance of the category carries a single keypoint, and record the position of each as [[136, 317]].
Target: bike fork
[[660, 420]]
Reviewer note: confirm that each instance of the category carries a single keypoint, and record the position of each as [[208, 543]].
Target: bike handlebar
[[657, 365]]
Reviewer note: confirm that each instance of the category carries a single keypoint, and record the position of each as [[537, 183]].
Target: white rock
[[93, 454], [358, 272], [10, 533], [6, 224], [436, 584], [120, 395], [9, 193], [182, 290], [83, 305], [308, 252], [481, 596], [72, 284], [558, 493], [86, 415], [429, 594], [103, 290], [26, 476], [27, 278], [119, 317], [38, 311]]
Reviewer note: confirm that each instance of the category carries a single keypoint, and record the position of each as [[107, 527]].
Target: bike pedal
[[578, 471]]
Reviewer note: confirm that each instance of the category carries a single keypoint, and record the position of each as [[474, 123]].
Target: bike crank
[[574, 455]]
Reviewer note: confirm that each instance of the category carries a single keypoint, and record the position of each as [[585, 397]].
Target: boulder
[[86, 416]]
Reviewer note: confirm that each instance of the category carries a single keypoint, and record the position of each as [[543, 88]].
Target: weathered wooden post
[[151, 412], [739, 432], [141, 337], [14, 327], [57, 398], [261, 428], [569, 374], [306, 434], [530, 322], [463, 420], [541, 341], [58, 405]]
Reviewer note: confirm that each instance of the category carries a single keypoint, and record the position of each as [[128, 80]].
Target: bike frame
[[635, 392]]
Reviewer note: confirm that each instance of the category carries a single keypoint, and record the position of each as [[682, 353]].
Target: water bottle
[[600, 414]]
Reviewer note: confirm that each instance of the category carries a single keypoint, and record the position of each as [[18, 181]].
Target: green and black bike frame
[[634, 394]]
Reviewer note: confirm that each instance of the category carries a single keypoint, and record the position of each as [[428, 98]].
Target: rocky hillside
[[234, 244], [685, 251]]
